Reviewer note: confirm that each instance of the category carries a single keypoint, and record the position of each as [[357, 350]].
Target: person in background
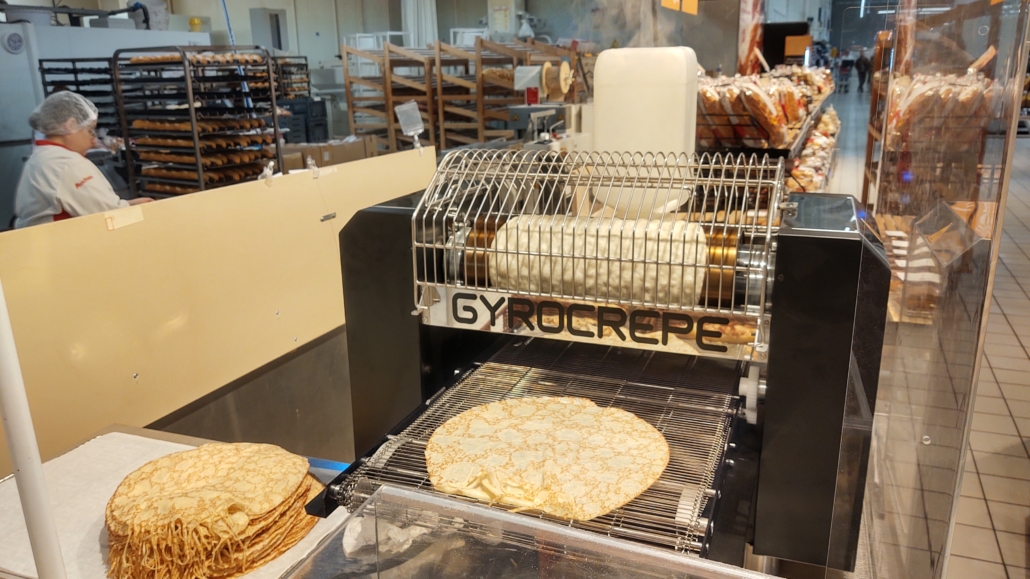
[[58, 181], [862, 66]]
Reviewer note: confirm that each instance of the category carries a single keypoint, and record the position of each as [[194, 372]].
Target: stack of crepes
[[214, 512]]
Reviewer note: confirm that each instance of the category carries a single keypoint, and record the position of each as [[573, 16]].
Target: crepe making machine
[[744, 325]]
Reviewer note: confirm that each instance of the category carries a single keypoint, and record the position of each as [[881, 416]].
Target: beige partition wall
[[127, 316]]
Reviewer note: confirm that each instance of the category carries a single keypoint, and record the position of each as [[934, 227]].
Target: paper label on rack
[[122, 217]]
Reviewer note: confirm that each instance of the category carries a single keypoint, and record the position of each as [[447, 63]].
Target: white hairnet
[[51, 116]]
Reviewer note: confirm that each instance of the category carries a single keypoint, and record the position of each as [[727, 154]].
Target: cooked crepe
[[654, 261], [216, 511], [564, 456]]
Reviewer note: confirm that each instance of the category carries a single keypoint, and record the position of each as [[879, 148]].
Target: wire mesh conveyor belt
[[694, 416]]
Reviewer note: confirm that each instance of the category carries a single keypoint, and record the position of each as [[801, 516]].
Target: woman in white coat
[[58, 181]]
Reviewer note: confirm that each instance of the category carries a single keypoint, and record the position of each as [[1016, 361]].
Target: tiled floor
[[990, 540], [994, 510]]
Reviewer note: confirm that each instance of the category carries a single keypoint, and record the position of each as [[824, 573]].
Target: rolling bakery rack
[[89, 77], [478, 93], [400, 75], [292, 78], [195, 117], [475, 89]]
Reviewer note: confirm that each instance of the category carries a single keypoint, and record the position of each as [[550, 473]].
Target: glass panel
[[407, 533], [947, 128]]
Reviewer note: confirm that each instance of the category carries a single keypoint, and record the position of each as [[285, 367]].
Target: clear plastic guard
[[410, 119], [400, 532], [948, 131]]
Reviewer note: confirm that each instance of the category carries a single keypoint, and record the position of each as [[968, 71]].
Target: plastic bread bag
[[705, 136], [791, 101], [767, 113], [899, 114], [991, 95], [919, 106], [710, 99], [707, 127], [948, 95], [740, 117], [969, 96]]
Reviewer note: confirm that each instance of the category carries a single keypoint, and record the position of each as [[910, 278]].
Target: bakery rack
[[195, 117], [377, 81], [474, 90], [457, 116], [89, 77], [292, 76], [496, 85]]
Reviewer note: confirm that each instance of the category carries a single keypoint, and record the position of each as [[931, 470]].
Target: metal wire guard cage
[[661, 231]]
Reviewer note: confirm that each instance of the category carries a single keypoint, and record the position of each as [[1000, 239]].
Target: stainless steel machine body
[[650, 283]]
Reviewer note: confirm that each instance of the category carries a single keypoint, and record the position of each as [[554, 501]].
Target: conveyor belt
[[688, 399]]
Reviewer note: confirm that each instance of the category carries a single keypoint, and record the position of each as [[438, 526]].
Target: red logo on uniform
[[83, 182]]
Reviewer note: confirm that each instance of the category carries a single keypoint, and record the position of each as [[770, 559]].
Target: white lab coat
[[58, 182]]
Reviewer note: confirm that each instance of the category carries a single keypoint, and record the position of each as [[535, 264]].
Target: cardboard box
[[333, 152], [305, 150], [344, 152], [292, 161]]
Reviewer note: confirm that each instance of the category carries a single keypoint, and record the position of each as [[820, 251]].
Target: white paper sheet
[[80, 484]]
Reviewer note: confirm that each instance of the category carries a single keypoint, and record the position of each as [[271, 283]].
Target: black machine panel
[[829, 312], [396, 364]]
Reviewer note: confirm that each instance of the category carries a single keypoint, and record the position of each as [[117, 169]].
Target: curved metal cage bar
[[636, 230]]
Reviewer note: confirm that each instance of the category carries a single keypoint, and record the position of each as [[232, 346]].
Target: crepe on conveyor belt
[[220, 510], [564, 456], [601, 258]]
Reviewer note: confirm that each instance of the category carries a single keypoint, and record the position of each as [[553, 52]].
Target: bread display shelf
[[293, 77], [197, 79], [184, 167], [99, 70], [198, 95], [769, 114], [194, 65], [221, 176], [80, 82], [225, 113], [90, 77], [212, 145], [207, 113], [183, 134]]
